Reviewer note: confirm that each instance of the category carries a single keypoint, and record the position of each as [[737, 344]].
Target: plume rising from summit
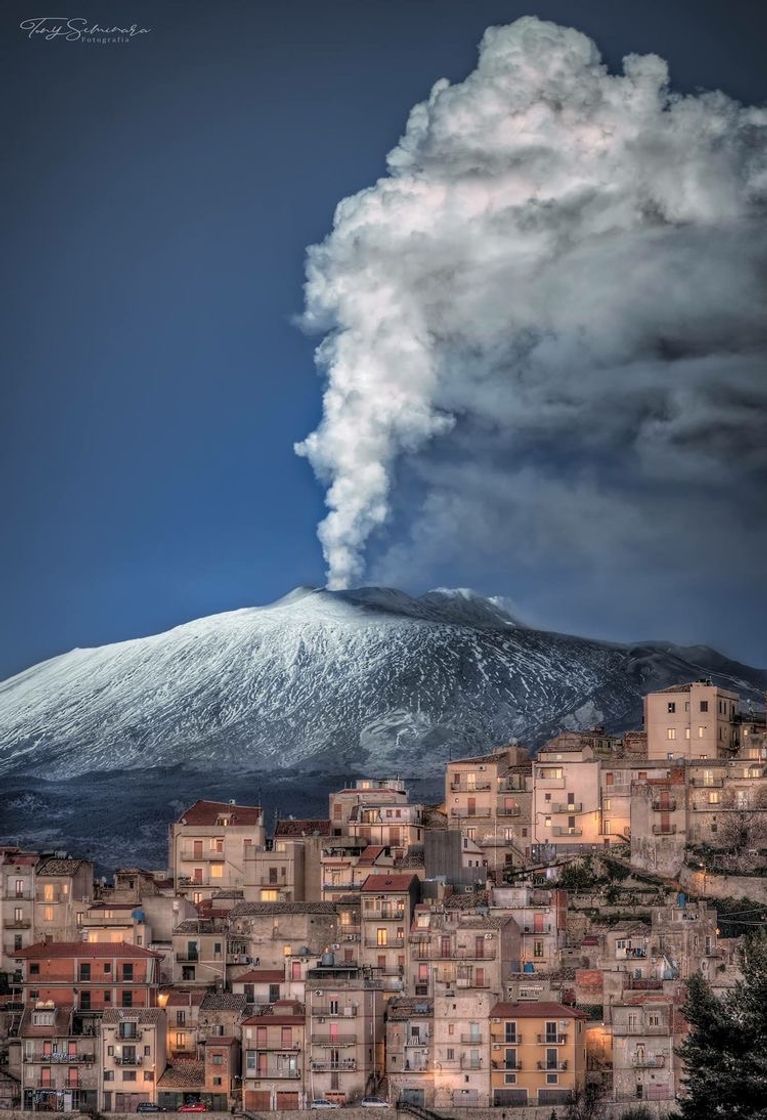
[[548, 314]]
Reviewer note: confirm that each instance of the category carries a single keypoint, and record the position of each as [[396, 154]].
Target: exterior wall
[[346, 1034], [273, 931], [489, 800], [17, 905], [59, 1064], [386, 915], [567, 799], [644, 1064], [461, 1065], [91, 983], [133, 1058], [274, 1051], [536, 1058], [409, 1051], [206, 858], [541, 916]]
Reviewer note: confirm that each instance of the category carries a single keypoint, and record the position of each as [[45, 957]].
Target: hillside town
[[525, 941]]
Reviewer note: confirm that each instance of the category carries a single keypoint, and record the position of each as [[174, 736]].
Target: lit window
[[671, 733]]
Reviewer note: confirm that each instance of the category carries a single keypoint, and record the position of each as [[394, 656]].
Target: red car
[[196, 1106]]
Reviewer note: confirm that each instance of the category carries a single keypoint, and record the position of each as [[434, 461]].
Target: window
[[129, 1075], [551, 1079], [34, 970], [552, 1058], [547, 822], [671, 733], [187, 972], [42, 1018], [713, 797], [607, 804], [671, 707], [180, 1040], [217, 871], [274, 993], [127, 1030], [126, 999], [704, 705], [701, 732], [48, 892], [47, 913], [19, 888], [216, 1080], [127, 972], [450, 1054], [109, 1075], [181, 1017], [687, 733], [148, 1075]]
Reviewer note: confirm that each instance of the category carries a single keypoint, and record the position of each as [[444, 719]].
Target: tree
[[725, 1053], [585, 1104]]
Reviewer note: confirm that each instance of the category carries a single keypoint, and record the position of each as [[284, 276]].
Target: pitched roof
[[292, 827], [246, 909], [185, 1073], [261, 976], [55, 866], [224, 1001], [48, 950], [208, 812], [409, 1007], [183, 997], [384, 883], [534, 1010], [133, 1014]]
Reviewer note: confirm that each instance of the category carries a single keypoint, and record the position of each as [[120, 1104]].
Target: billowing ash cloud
[[552, 306]]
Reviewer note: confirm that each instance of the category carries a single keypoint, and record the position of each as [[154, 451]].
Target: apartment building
[[454, 857], [396, 827], [182, 1016], [346, 862], [388, 902], [132, 1045], [696, 720], [17, 904], [537, 1053], [567, 801], [410, 1068], [209, 845], [275, 1047], [55, 1058], [366, 792], [452, 949], [346, 1036], [91, 977], [201, 952], [274, 932], [288, 869], [63, 894], [541, 916], [488, 798], [222, 1078], [647, 1029]]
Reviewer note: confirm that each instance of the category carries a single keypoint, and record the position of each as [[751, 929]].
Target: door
[[471, 806], [286, 1101], [260, 1100]]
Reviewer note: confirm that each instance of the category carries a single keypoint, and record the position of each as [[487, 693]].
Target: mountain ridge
[[370, 677]]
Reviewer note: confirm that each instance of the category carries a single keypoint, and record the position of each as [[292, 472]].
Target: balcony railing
[[511, 1067], [390, 943], [323, 1011], [468, 1062], [515, 1041], [420, 1040], [509, 811], [651, 1061], [188, 856], [562, 830], [345, 1065], [472, 1039], [707, 783], [18, 923], [664, 806], [567, 807], [384, 914], [552, 1039], [284, 1073], [663, 829], [332, 1041], [188, 958], [127, 1039], [552, 1067], [58, 1058], [469, 787], [487, 953], [468, 814], [135, 1060]]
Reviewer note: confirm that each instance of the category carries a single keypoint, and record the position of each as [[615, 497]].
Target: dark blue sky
[[157, 201]]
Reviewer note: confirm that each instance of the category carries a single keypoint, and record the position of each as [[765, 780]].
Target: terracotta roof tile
[[535, 1010], [302, 828], [207, 813], [384, 883], [48, 950]]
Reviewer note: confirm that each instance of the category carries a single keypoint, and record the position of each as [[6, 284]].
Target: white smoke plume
[[558, 290]]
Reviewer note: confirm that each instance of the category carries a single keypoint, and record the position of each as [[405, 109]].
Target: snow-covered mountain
[[369, 679]]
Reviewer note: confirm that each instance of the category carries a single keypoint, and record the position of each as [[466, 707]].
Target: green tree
[[725, 1053]]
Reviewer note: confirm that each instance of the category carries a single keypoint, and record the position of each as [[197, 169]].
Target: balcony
[[20, 896], [135, 1060], [562, 830], [651, 1061], [469, 787], [664, 806], [664, 830], [515, 1041], [487, 953], [552, 1039], [334, 1040], [345, 1065], [567, 807], [476, 814], [509, 1067], [707, 783], [552, 1067], [58, 1058], [419, 1040], [19, 923], [187, 855], [127, 1039], [467, 1062], [384, 914], [390, 943], [276, 1073], [472, 1039], [188, 958], [323, 1011]]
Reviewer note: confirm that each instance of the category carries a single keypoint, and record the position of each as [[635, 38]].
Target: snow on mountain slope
[[370, 678]]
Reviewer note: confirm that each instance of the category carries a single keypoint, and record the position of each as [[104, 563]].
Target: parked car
[[195, 1106], [147, 1106], [321, 1102], [374, 1102]]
